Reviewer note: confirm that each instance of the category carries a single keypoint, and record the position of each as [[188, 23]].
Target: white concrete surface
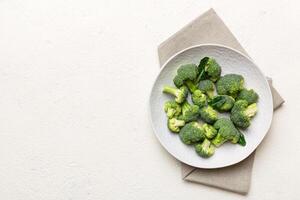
[[74, 83]]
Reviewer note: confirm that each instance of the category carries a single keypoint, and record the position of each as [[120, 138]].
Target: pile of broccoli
[[197, 121]]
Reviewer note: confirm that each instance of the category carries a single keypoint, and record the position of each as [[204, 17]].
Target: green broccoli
[[192, 86], [199, 98], [201, 70], [209, 68], [208, 114], [207, 87], [174, 125], [242, 113], [242, 140], [209, 131], [172, 108], [222, 103], [184, 89], [178, 81], [189, 112], [184, 73], [226, 132], [192, 133], [249, 95], [230, 84], [205, 149], [180, 94]]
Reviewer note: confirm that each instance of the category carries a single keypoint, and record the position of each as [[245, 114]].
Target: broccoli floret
[[207, 87], [222, 103], [178, 81], [192, 133], [186, 75], [249, 95], [180, 94], [174, 125], [213, 69], [185, 72], [242, 112], [199, 98], [189, 112], [205, 149], [226, 132], [209, 131], [230, 84], [208, 114], [172, 108], [209, 68]]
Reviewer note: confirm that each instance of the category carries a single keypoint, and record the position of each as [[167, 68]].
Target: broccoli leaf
[[217, 101], [242, 140], [201, 69]]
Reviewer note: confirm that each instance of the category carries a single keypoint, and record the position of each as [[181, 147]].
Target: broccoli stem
[[210, 94], [179, 123], [218, 140], [170, 90], [192, 86], [251, 110], [206, 144]]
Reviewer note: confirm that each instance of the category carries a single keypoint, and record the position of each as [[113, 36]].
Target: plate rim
[[156, 78]]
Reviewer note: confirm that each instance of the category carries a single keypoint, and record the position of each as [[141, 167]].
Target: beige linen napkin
[[209, 28]]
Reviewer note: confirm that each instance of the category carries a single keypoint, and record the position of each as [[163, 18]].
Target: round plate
[[231, 61]]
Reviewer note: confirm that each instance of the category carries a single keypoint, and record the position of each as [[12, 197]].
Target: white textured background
[[74, 83]]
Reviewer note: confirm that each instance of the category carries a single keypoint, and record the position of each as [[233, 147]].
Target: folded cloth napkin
[[209, 28]]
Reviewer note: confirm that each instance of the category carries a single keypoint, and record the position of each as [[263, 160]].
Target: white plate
[[231, 61]]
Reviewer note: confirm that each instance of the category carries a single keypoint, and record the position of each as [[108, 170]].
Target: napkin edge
[[210, 11]]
